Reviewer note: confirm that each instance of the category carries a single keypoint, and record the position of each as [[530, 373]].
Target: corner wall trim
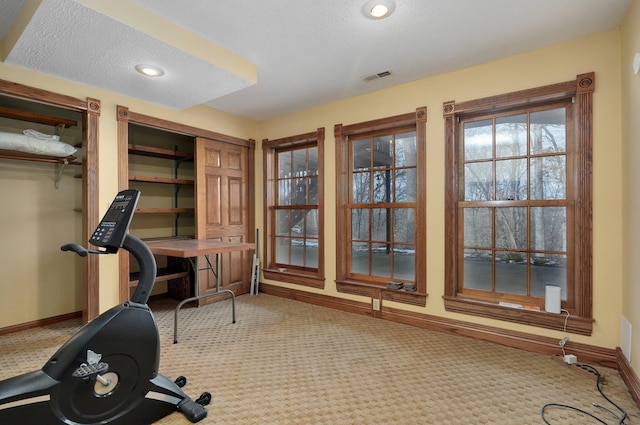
[[628, 376]]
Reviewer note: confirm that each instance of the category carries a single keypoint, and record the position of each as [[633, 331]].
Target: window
[[381, 184], [519, 204], [294, 209]]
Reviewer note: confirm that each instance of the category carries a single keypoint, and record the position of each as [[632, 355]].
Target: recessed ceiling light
[[149, 70], [378, 9]]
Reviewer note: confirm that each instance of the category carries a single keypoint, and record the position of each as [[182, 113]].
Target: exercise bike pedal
[[204, 399], [180, 381], [90, 371], [194, 411]]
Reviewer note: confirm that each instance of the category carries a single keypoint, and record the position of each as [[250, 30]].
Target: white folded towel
[[38, 135]]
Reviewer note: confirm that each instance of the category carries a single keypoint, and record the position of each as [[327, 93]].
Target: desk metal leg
[[216, 274]]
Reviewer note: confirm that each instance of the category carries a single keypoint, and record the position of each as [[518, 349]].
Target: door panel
[[222, 175]]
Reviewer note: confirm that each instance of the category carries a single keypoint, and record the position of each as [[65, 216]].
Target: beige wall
[[631, 177], [599, 53]]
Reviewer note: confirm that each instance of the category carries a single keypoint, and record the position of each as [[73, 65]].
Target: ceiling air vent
[[377, 76]]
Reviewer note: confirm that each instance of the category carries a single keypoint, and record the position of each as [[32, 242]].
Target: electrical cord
[[566, 337], [621, 418]]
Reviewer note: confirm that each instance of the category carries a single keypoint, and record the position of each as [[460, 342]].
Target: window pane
[[404, 262], [297, 252], [478, 226], [311, 253], [405, 185], [359, 224], [548, 131], [548, 269], [382, 186], [313, 191], [360, 257], [312, 166], [478, 182], [382, 151], [312, 223], [404, 228], [478, 140], [282, 250], [299, 194], [299, 162], [548, 177], [380, 226], [549, 229], [380, 260], [282, 223], [284, 192], [511, 272], [284, 164], [511, 179], [405, 149], [297, 222], [511, 228], [361, 154], [511, 136], [361, 192], [477, 269]]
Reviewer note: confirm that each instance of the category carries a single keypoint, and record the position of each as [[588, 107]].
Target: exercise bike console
[[107, 373]]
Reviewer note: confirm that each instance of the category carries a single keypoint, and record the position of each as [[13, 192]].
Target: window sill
[[297, 278], [541, 319], [380, 292]]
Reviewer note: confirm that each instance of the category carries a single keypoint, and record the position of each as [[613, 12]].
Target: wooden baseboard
[[317, 299], [40, 322], [529, 342], [628, 375]]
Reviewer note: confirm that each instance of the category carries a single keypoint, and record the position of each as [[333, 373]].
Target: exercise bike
[[107, 373]]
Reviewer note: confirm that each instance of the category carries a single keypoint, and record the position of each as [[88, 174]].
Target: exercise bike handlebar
[[142, 254], [80, 250]]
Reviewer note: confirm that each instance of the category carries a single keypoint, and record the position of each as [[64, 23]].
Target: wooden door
[[222, 211]]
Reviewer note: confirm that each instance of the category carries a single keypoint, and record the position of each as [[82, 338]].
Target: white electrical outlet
[[375, 304]]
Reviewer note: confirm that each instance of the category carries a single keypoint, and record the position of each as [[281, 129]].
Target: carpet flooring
[[286, 362]]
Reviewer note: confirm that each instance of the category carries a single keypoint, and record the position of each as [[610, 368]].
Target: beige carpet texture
[[287, 362]]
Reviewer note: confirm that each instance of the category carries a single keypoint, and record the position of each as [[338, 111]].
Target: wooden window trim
[[343, 182], [314, 279], [581, 90]]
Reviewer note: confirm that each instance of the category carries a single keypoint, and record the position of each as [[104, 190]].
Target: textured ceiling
[[260, 59]]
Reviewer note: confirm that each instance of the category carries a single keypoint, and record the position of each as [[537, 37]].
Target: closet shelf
[[36, 118], [163, 275], [22, 156], [152, 179], [143, 150], [164, 210]]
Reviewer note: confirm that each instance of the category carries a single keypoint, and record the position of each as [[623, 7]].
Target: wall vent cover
[[377, 76]]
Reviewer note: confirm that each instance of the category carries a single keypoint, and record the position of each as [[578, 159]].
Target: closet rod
[[36, 118]]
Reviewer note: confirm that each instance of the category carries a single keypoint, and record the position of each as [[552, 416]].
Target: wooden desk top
[[186, 248]]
